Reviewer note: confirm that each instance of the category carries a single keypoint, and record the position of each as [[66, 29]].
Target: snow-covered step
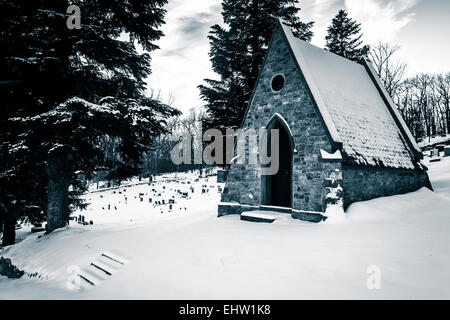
[[102, 275], [275, 208], [103, 267], [110, 264], [91, 276], [255, 216], [114, 257]]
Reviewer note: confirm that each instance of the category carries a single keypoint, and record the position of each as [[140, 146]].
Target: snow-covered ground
[[401, 243], [429, 141]]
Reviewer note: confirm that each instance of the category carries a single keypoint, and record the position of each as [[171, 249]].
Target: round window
[[277, 82]]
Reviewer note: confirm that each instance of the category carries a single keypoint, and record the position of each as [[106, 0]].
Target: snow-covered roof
[[355, 110]]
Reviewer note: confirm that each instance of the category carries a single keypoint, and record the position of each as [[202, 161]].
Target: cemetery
[[149, 250]]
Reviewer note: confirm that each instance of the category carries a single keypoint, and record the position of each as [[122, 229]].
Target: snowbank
[[193, 254]]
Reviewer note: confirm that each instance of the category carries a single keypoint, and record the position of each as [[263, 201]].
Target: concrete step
[[275, 208], [114, 257], [257, 216], [110, 264], [103, 267], [98, 273], [90, 276]]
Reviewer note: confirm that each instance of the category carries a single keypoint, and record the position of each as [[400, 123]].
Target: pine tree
[[52, 76], [237, 53], [344, 37]]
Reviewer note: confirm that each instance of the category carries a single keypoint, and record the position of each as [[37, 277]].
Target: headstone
[[435, 156], [447, 151], [37, 229]]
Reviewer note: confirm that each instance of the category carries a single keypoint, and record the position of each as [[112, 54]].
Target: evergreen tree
[[54, 83], [344, 37], [237, 53]]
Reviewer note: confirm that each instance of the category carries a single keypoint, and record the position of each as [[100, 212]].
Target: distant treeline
[[424, 101]]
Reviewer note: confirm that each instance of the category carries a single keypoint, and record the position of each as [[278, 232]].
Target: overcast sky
[[420, 27]]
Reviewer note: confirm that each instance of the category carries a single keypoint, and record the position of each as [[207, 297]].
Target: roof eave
[[392, 108]]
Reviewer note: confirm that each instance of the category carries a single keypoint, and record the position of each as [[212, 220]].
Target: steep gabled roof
[[356, 109]]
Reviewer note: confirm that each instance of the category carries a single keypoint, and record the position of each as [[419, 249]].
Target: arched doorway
[[277, 188]]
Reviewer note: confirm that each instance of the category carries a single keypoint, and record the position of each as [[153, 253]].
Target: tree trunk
[[2, 214], [447, 114], [58, 192], [9, 228]]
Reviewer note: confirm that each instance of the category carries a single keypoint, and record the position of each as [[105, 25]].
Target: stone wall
[[296, 105], [365, 183]]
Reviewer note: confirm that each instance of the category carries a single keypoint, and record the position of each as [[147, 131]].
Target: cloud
[[321, 12], [189, 31], [183, 62], [381, 20]]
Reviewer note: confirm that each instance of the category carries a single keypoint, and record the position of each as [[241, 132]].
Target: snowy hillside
[[189, 253]]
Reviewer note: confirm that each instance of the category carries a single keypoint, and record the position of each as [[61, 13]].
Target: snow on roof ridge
[[357, 113], [283, 23], [312, 86]]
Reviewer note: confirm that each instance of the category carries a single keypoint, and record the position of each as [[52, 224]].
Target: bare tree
[[389, 68], [443, 89]]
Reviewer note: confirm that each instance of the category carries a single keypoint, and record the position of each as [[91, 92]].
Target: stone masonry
[[295, 104], [310, 172], [365, 183]]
